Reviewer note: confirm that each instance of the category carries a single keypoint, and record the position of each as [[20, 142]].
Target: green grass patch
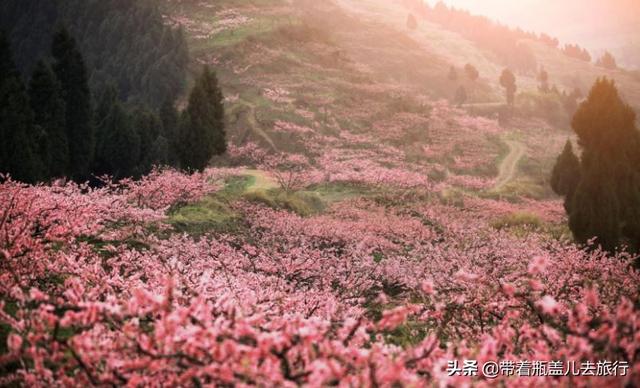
[[340, 191], [523, 223], [300, 202], [234, 187], [213, 212], [518, 220], [516, 190], [209, 214], [378, 256], [101, 246], [560, 232]]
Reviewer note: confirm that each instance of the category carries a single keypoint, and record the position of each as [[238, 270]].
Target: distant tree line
[[124, 43], [501, 40], [555, 106], [577, 52], [601, 187], [607, 61], [50, 128]]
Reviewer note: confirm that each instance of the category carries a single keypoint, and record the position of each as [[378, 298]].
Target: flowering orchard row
[[97, 289]]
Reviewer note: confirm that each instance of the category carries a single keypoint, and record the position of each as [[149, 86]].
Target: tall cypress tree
[[202, 133], [70, 70], [566, 173], [17, 139], [606, 203], [169, 117], [160, 151], [148, 126], [108, 98], [45, 96], [120, 151]]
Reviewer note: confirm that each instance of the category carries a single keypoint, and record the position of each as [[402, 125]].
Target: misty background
[[598, 25]]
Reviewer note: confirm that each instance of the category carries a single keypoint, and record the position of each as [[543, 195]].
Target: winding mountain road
[[508, 167]]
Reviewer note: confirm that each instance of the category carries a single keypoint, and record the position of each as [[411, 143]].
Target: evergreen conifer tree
[[169, 118], [148, 126], [606, 203], [565, 176], [70, 69], [45, 96], [202, 132], [17, 134], [120, 151], [108, 98]]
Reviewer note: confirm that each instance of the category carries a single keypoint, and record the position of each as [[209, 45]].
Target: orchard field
[[356, 279], [361, 230]]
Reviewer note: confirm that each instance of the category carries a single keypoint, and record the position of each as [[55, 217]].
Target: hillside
[[365, 227], [354, 66]]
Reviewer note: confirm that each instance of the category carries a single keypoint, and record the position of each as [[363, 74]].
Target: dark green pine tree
[[169, 117], [107, 99], [47, 103], [595, 211], [566, 173], [148, 126], [70, 69], [202, 133], [17, 133], [120, 151], [160, 151], [606, 204]]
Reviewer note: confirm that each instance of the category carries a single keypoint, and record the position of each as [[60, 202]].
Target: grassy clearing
[[256, 27], [208, 214], [302, 203], [523, 223], [215, 213], [212, 213], [101, 246], [340, 191], [522, 187], [518, 220]]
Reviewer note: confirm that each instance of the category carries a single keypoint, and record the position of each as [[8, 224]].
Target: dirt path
[[254, 125], [508, 167], [262, 180]]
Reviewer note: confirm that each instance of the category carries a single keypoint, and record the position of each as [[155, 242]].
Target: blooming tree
[[293, 300]]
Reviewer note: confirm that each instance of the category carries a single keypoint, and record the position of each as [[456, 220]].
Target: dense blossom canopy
[[97, 289]]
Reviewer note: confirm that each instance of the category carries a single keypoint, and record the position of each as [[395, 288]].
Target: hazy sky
[[595, 24]]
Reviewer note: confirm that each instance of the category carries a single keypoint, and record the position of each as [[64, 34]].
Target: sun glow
[[594, 23]]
